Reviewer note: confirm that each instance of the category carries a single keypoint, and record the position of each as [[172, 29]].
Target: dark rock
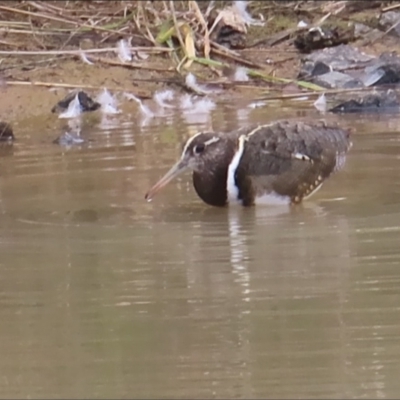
[[339, 58], [85, 101], [230, 30], [6, 132], [335, 79], [229, 37], [349, 68], [383, 70], [387, 101], [320, 68], [321, 37], [388, 74]]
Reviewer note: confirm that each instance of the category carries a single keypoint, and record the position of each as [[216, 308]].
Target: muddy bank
[[42, 62]]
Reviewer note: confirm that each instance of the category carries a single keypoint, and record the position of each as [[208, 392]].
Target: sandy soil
[[23, 94]]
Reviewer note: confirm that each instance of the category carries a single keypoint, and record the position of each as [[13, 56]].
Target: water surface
[[103, 295]]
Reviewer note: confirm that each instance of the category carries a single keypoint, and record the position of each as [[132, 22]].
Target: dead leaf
[[187, 36], [201, 19], [190, 50], [230, 16]]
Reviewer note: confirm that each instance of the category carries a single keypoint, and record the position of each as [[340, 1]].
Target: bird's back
[[289, 159]]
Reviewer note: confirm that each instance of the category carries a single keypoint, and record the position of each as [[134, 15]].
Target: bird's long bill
[[176, 170]]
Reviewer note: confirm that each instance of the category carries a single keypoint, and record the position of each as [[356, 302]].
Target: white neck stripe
[[231, 187]]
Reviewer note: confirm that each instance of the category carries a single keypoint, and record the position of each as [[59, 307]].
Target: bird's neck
[[211, 188]]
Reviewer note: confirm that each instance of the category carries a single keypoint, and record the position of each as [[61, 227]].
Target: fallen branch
[[318, 93], [57, 19], [72, 86], [228, 54], [130, 65], [78, 52], [390, 8]]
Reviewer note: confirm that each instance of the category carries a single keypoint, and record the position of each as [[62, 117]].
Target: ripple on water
[[177, 299]]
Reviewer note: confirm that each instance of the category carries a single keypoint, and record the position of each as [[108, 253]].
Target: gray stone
[[335, 79], [390, 19], [339, 58]]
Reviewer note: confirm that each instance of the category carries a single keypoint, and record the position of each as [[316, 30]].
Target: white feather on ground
[[146, 113], [108, 102], [191, 105], [191, 83], [124, 51], [162, 96], [257, 104], [302, 24], [84, 58], [320, 103], [241, 74], [196, 111], [241, 6], [74, 109]]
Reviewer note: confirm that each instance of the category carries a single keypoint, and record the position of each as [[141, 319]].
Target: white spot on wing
[[231, 188], [300, 156], [313, 192]]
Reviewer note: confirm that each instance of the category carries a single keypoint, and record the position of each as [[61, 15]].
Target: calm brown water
[[103, 295]]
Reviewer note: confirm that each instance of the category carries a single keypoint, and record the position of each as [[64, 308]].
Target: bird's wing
[[291, 159]]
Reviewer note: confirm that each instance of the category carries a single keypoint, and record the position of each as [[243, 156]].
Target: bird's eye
[[199, 148]]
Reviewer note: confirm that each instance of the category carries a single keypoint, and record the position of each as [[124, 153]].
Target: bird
[[282, 162]]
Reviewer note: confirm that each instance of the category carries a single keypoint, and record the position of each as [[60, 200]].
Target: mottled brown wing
[[290, 159]]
